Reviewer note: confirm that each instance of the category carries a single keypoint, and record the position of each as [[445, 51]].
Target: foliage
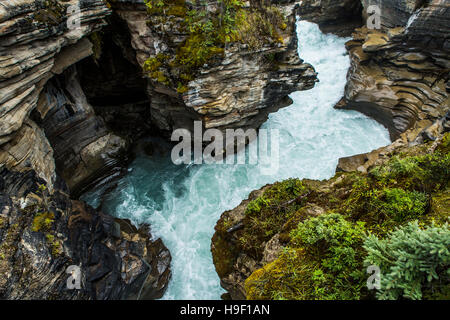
[[411, 258], [324, 261], [398, 191], [444, 146], [403, 204], [266, 215], [428, 173], [43, 221], [288, 277], [336, 244], [54, 244]]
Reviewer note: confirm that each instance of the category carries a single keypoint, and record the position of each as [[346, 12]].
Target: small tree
[[410, 259]]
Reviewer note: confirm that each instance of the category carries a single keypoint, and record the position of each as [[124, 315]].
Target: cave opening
[[113, 82]]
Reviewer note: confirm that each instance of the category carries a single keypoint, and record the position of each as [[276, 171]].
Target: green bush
[[336, 244], [324, 261], [384, 209], [426, 173], [411, 259], [397, 167], [266, 215], [402, 205]]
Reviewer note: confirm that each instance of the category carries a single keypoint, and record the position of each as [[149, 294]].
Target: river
[[183, 203]]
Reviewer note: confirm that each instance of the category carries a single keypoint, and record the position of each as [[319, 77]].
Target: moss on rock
[[207, 34], [322, 224], [49, 12]]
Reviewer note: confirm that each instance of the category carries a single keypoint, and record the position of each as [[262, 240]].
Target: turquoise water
[[183, 203]]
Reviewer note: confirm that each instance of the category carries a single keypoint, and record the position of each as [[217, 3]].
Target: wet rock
[[29, 149], [117, 260], [35, 45], [398, 74], [238, 91], [338, 17], [83, 147], [113, 82], [272, 249]]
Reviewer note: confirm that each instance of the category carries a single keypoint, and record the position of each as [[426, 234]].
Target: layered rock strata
[[237, 91], [72, 101], [37, 44], [49, 131], [338, 17], [399, 74], [43, 234]]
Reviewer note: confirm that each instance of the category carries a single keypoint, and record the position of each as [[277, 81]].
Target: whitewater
[[183, 203]]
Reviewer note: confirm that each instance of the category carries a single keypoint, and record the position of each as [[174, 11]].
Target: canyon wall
[[43, 234], [399, 74], [51, 138], [36, 45], [73, 101], [338, 17], [238, 90]]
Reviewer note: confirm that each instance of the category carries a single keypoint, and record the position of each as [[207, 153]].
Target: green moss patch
[[43, 221], [266, 215]]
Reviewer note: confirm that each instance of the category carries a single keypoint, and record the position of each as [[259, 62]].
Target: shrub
[[426, 173], [286, 278], [411, 259], [266, 215], [402, 205], [43, 221], [384, 209], [336, 243], [399, 168], [324, 261]]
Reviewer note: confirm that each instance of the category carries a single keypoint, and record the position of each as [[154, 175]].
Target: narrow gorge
[[91, 91]]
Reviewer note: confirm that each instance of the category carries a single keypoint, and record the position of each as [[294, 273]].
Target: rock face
[[236, 91], [113, 82], [399, 75], [50, 135], [232, 265], [40, 83], [84, 149], [33, 35], [234, 261], [67, 121], [42, 234], [338, 17]]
